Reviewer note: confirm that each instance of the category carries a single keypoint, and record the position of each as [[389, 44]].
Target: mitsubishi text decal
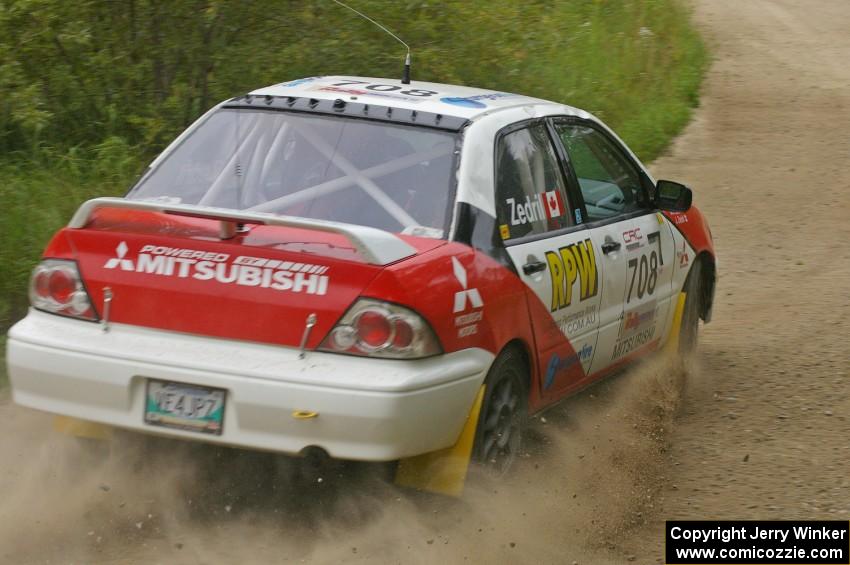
[[208, 265], [637, 328]]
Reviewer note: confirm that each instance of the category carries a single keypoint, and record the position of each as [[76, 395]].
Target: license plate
[[184, 407]]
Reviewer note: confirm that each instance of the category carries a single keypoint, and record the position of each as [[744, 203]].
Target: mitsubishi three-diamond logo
[[467, 293], [119, 261]]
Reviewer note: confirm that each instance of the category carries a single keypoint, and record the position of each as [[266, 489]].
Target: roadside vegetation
[[92, 90]]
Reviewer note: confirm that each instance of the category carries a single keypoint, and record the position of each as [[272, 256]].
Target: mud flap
[[672, 345], [443, 471], [82, 428]]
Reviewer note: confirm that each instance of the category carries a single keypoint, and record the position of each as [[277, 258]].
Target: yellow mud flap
[[443, 471], [672, 345], [82, 428]]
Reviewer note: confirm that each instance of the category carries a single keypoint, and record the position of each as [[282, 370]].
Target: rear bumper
[[368, 409]]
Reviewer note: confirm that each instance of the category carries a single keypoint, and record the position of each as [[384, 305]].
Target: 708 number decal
[[645, 270], [388, 88]]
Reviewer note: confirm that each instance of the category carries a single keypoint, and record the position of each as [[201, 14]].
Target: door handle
[[533, 267], [610, 246]]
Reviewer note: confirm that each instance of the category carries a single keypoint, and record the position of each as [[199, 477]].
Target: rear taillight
[[381, 329], [56, 287]]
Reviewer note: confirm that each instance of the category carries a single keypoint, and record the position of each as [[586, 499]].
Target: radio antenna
[[405, 77]]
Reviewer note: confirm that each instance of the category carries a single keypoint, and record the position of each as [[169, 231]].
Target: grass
[[637, 64], [38, 194]]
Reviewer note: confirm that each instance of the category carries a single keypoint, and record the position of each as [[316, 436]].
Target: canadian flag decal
[[554, 203]]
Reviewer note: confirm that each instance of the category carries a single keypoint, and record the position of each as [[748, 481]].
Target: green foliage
[[90, 90], [39, 195], [76, 73]]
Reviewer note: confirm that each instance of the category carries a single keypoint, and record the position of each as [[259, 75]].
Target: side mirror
[[673, 196]]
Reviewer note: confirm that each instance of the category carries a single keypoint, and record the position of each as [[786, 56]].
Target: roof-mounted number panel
[[349, 109]]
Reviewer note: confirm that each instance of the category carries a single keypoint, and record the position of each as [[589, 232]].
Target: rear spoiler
[[376, 246]]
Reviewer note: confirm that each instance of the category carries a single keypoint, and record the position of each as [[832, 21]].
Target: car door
[[554, 257], [633, 241]]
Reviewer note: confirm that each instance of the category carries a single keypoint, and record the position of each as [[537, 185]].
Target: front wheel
[[503, 415], [688, 331]]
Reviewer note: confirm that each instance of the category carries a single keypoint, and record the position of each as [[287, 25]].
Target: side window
[[609, 183], [530, 194]]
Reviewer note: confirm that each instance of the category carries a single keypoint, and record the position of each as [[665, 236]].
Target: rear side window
[[530, 194], [610, 184]]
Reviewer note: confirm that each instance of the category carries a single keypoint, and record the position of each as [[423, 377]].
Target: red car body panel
[[196, 283], [694, 227]]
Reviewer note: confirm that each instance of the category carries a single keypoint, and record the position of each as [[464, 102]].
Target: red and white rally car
[[366, 267]]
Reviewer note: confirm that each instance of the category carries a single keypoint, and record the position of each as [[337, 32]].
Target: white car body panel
[[406, 408]]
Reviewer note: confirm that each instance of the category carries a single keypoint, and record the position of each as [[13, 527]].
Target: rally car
[[378, 270]]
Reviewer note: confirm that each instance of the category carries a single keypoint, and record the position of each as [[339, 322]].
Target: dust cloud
[[592, 470]]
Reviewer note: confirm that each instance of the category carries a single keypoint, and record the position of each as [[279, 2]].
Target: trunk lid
[[174, 273]]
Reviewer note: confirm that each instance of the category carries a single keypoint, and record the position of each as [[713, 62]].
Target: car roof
[[447, 99]]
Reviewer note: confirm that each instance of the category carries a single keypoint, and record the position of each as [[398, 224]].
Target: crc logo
[[119, 261], [462, 296], [632, 236]]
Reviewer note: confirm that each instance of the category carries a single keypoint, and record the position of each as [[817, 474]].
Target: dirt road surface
[[758, 429]]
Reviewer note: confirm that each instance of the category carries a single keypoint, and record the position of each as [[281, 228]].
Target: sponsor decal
[[505, 231], [119, 260], [467, 324], [474, 101], [636, 319], [545, 206], [574, 262], [242, 270], [629, 344], [467, 294], [679, 218], [557, 365], [359, 92], [298, 82], [633, 239], [578, 216], [636, 329], [684, 259], [578, 321]]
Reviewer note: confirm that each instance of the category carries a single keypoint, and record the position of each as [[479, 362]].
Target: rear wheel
[[502, 419]]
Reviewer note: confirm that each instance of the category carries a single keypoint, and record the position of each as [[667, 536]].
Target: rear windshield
[[369, 173]]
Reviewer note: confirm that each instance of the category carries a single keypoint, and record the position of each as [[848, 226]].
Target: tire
[[689, 330], [503, 416]]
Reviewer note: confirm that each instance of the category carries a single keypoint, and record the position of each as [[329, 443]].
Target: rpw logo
[[461, 296], [119, 261]]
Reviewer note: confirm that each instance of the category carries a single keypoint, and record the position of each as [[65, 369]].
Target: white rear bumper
[[368, 409]]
